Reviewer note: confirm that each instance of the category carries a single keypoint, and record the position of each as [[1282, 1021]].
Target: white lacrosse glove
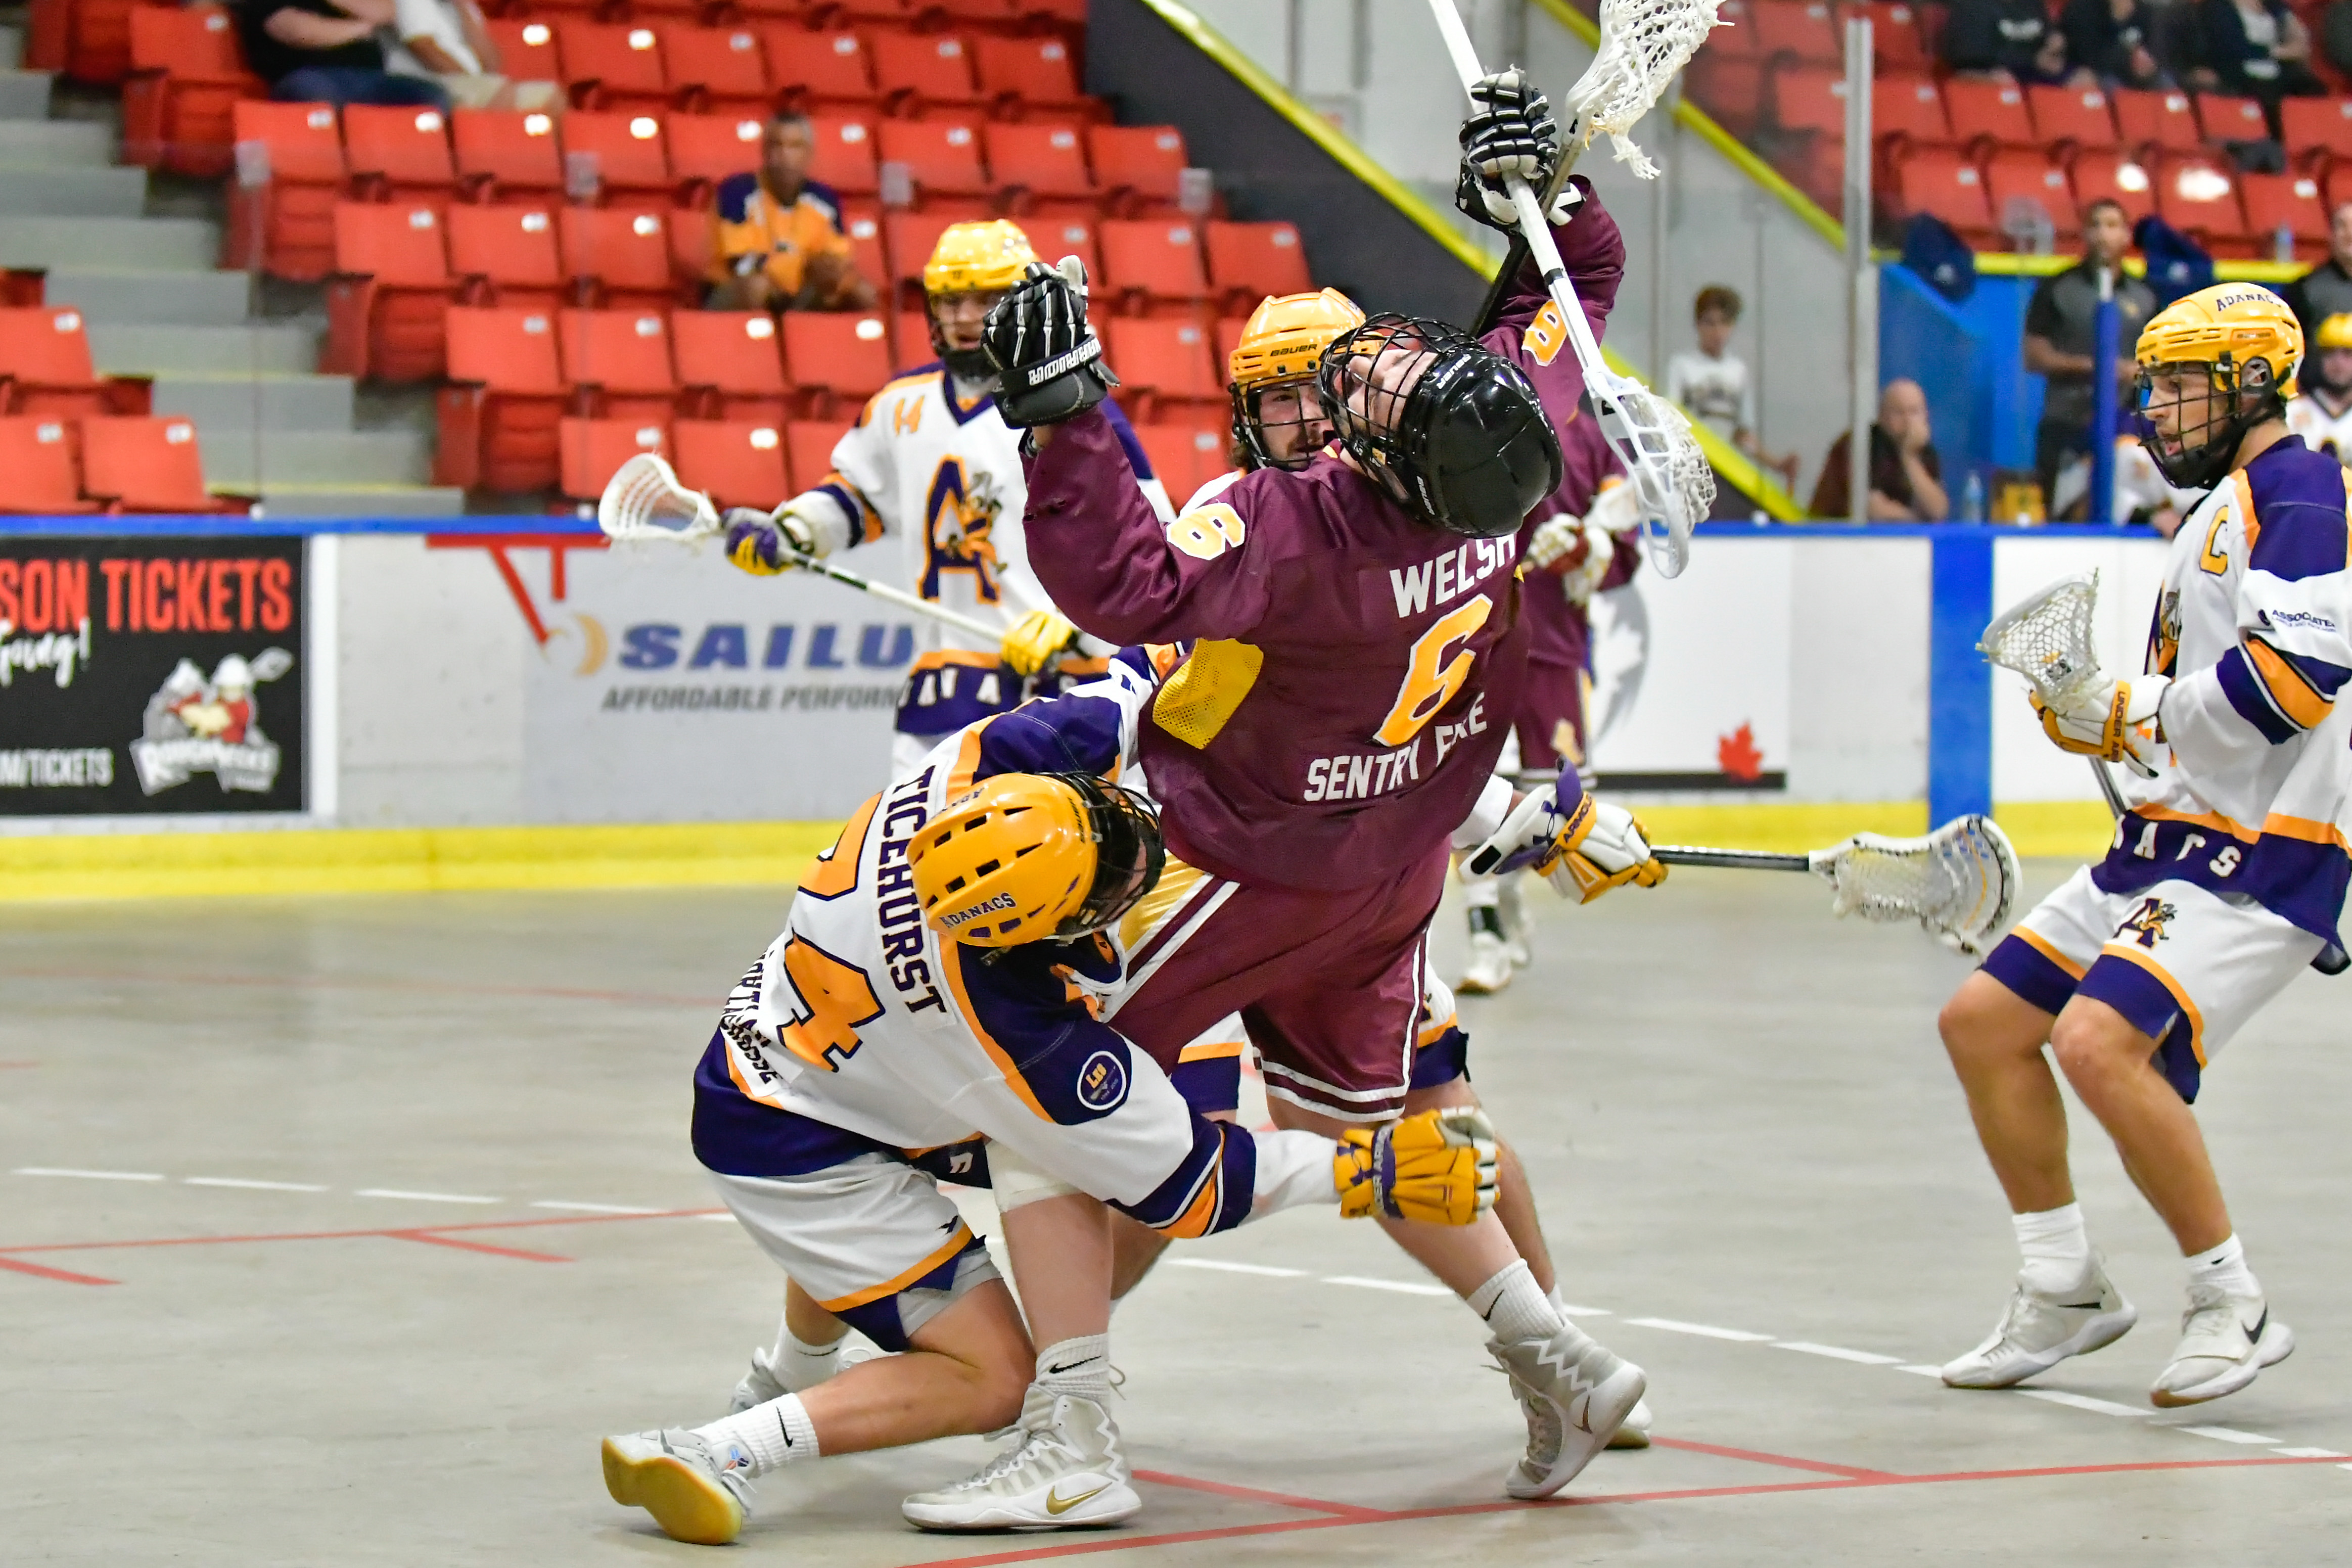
[[2115, 721], [1578, 552], [1582, 852], [759, 541]]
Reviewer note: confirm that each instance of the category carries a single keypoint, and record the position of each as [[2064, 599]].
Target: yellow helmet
[[2335, 332], [1282, 343], [2248, 343], [1034, 857], [978, 258]]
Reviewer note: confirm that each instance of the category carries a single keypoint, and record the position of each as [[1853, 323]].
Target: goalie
[[2226, 878]]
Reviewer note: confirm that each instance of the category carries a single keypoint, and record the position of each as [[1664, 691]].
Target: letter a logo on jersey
[[2148, 922]]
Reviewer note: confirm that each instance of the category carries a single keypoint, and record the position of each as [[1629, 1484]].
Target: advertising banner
[[151, 676]]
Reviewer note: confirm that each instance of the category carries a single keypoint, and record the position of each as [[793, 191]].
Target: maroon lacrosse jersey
[[1559, 632], [1352, 671]]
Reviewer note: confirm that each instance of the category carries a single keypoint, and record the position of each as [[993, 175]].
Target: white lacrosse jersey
[[2321, 431], [945, 476], [2254, 627], [859, 1019]]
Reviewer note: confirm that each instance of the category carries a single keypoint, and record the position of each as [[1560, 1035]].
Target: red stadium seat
[[1805, 29], [506, 256], [1135, 164], [389, 294], [2115, 177], [844, 157], [2021, 177], [2198, 194], [619, 361], [998, 14], [1040, 162], [288, 225], [1027, 73], [2289, 201], [808, 449], [817, 71], [1736, 37], [915, 70], [715, 70], [613, 66], [864, 227], [399, 154], [144, 463], [1809, 98], [1054, 238], [188, 72], [1165, 369], [1730, 87], [1153, 263], [526, 49], [632, 169], [1248, 261], [45, 364], [504, 154], [911, 334], [841, 358], [2156, 120], [1897, 42], [619, 257], [730, 364], [2080, 115], [943, 156], [1989, 112], [592, 450], [1942, 183], [735, 462], [2227, 119], [88, 40], [705, 149], [909, 238], [2316, 126], [499, 414], [37, 454], [1908, 107]]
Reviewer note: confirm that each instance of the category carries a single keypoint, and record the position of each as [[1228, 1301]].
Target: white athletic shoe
[[1576, 1395], [1067, 1472], [693, 1494], [1635, 1432], [1511, 904], [758, 1385], [2038, 1331], [1490, 965], [2225, 1342]]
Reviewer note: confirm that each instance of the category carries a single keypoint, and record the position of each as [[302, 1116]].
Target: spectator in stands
[[2326, 290], [2335, 35], [1713, 383], [325, 51], [1907, 479], [2112, 43], [2004, 40], [777, 239], [2254, 48], [444, 41], [2061, 330]]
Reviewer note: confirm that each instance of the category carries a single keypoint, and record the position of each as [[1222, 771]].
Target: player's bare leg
[[2111, 1067], [807, 1351]]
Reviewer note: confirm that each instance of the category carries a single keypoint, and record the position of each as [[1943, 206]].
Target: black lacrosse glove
[[1048, 361], [1510, 133]]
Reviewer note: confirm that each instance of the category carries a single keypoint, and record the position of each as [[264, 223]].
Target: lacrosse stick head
[[2046, 638], [645, 500], [1643, 43], [1662, 456], [1959, 883]]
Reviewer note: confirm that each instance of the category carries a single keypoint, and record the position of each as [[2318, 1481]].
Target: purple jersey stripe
[[2027, 971], [2301, 882], [2298, 497], [2155, 1012], [2252, 699]]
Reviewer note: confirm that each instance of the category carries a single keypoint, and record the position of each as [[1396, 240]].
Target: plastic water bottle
[[1972, 499]]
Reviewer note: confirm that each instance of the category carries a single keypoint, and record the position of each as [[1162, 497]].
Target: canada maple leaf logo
[[1736, 755]]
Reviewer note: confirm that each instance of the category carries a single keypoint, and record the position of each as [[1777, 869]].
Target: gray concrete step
[[73, 191], [237, 460], [133, 349], [160, 243], [361, 500], [24, 95], [55, 143], [225, 402], [184, 298], [12, 47]]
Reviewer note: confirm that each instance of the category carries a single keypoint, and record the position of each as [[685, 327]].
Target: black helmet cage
[[1129, 852], [1250, 422], [2230, 413]]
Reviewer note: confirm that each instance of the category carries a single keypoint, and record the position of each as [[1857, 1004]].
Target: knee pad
[[1018, 1182]]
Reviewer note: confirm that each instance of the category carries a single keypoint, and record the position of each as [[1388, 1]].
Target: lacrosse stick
[[645, 500], [1643, 43], [1959, 883], [2047, 639]]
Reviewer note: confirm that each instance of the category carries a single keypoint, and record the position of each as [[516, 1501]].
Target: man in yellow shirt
[[777, 243]]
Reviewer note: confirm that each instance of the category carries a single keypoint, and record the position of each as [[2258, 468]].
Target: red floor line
[[1754, 1457], [1252, 1494], [346, 1235], [426, 1236], [59, 1275], [359, 983]]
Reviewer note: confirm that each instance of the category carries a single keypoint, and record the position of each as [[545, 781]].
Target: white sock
[[2056, 1248], [801, 1365], [775, 1433], [2225, 1266], [1080, 1366], [1514, 1309]]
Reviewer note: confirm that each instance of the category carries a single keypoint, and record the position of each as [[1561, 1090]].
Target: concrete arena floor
[[1747, 1149]]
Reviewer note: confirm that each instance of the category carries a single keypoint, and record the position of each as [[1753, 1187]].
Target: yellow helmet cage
[[2335, 332], [978, 258], [2248, 344], [1034, 857], [1282, 343]]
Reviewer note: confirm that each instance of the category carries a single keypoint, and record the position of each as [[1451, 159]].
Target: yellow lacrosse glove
[[1437, 1167], [1035, 638], [2115, 722]]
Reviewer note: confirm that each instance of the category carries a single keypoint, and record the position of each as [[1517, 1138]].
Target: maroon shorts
[[1550, 721], [1329, 984]]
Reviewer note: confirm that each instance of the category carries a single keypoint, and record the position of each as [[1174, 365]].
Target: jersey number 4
[[1431, 677], [835, 999]]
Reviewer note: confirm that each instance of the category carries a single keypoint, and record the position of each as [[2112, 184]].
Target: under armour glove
[[2116, 720], [763, 543], [1035, 640], [1582, 852], [1437, 1167], [1048, 361], [1511, 134]]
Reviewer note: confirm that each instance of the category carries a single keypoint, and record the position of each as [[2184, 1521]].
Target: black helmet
[[1450, 428]]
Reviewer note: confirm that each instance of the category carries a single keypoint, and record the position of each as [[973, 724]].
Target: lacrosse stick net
[[645, 500], [1676, 485], [2047, 639], [1959, 883], [1643, 43]]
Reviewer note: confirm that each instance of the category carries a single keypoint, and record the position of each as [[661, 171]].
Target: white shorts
[[2184, 965], [873, 1240]]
